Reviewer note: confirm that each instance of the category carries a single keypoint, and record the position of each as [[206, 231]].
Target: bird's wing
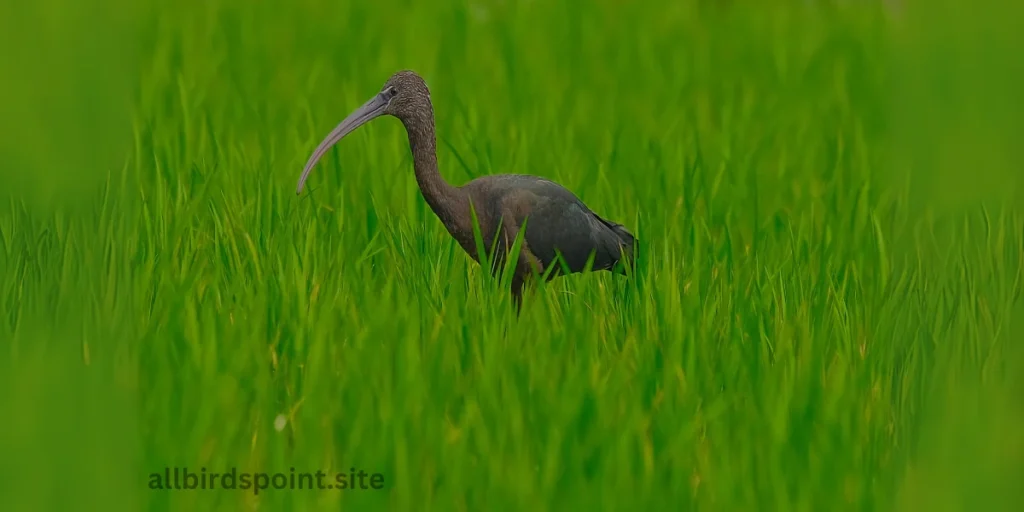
[[557, 222]]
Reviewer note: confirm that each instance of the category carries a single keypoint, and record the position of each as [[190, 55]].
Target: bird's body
[[556, 221]]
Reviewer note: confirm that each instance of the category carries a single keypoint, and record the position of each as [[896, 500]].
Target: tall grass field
[[826, 315]]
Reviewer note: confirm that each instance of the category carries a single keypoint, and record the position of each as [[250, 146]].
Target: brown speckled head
[[404, 95], [407, 95]]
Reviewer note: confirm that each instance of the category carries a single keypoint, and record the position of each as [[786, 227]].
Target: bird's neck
[[445, 200]]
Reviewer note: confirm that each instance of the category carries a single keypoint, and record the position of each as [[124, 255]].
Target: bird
[[561, 232]]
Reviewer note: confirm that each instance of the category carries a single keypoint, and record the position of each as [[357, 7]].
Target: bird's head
[[404, 95]]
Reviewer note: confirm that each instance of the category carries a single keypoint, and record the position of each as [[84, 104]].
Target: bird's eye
[[391, 93]]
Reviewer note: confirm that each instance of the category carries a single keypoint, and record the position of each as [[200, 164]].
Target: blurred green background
[[829, 194]]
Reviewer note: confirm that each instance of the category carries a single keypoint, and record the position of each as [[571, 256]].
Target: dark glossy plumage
[[557, 222]]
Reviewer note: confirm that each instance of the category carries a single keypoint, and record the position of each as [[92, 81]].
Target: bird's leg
[[517, 293], [527, 268], [523, 278]]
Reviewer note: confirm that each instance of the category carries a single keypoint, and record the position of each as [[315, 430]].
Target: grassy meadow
[[828, 199]]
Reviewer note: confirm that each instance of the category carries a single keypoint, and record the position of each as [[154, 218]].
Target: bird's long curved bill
[[369, 110]]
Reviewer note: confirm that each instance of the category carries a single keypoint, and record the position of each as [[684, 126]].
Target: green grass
[[824, 317]]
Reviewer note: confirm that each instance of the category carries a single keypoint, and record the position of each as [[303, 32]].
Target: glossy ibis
[[556, 221]]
